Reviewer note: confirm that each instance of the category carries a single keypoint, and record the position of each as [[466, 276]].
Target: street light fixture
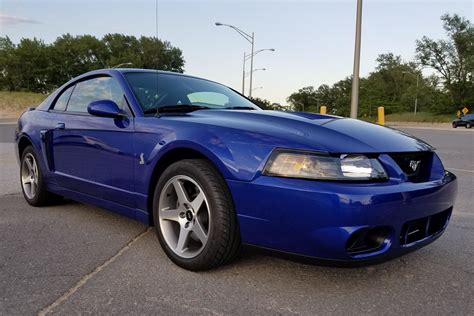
[[258, 69], [417, 75], [251, 40], [122, 64], [247, 57]]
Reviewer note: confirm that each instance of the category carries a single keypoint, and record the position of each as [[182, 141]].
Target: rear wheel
[[32, 183], [455, 125], [194, 216]]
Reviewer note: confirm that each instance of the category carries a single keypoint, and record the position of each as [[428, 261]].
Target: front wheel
[[468, 125], [194, 216]]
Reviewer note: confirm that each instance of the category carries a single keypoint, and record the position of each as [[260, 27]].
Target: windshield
[[157, 90]]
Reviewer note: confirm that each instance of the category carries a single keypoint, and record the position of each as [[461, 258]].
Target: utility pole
[[355, 73]]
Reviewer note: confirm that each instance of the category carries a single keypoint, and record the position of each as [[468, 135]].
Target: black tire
[[455, 125], [223, 242], [42, 197], [468, 125]]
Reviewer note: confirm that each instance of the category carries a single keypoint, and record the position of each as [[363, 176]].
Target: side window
[[101, 88], [61, 102]]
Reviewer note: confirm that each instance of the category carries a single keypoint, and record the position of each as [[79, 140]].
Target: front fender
[[221, 157], [235, 153]]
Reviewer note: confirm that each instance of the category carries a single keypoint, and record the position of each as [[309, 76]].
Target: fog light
[[367, 240]]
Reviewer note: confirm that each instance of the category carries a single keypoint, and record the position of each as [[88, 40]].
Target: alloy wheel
[[29, 176], [184, 216]]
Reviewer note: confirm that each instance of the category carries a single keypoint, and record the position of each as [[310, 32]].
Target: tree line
[[393, 83], [32, 65]]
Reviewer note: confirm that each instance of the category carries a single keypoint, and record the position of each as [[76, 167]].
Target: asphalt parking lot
[[75, 258]]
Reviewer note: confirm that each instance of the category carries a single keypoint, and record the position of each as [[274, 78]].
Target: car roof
[[133, 70], [110, 71]]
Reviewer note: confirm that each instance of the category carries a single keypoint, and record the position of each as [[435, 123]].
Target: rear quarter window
[[61, 102]]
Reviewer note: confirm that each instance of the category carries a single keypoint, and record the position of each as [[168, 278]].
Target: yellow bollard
[[322, 109], [381, 112]]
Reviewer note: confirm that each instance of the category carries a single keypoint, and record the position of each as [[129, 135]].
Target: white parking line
[[463, 214], [87, 277], [457, 130], [460, 170]]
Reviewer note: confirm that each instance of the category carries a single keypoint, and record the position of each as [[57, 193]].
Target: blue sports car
[[211, 170]]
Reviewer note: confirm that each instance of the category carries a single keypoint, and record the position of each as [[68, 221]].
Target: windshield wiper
[[173, 109], [149, 111], [240, 108]]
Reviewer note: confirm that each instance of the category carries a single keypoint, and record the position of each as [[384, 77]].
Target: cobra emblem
[[414, 164]]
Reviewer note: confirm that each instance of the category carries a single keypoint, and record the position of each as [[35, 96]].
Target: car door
[[94, 155]]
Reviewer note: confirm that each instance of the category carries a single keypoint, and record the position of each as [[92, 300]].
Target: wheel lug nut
[[182, 215], [186, 225]]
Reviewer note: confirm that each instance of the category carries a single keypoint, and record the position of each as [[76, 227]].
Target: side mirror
[[104, 108]]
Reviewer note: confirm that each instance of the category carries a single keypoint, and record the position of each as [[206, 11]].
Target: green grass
[[419, 117], [12, 104]]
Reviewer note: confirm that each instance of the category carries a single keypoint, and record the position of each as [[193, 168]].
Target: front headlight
[[350, 167]]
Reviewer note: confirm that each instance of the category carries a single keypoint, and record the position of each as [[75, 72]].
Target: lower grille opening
[[422, 228], [415, 230], [438, 222], [367, 240]]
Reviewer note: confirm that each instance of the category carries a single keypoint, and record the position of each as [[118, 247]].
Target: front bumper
[[320, 219]]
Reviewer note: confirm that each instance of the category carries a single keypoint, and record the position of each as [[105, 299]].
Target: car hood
[[310, 131]]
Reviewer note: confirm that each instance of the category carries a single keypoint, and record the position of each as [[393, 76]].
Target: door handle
[[60, 126]]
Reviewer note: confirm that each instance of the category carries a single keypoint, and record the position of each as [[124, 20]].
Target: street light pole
[[355, 73], [416, 96], [417, 75], [251, 40], [251, 65], [243, 75]]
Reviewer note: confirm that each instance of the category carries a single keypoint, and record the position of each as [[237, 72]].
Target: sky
[[313, 40]]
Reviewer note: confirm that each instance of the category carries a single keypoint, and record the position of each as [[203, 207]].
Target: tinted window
[[101, 88], [468, 117], [208, 98], [154, 90], [61, 102]]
